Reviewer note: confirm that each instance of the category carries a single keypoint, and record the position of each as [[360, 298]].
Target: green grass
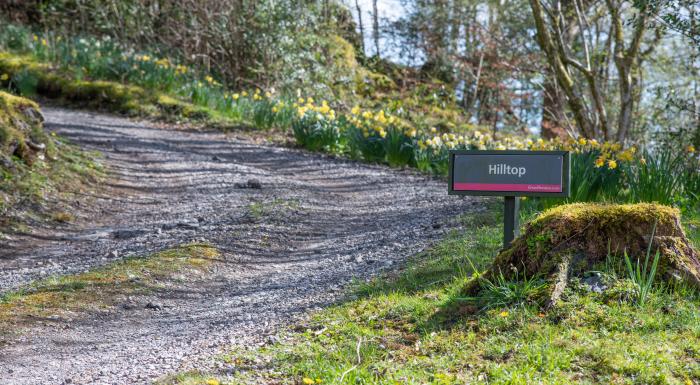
[[258, 210], [398, 331], [68, 296]]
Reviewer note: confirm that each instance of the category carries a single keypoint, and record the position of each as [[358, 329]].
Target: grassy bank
[[65, 297], [35, 165], [29, 76], [399, 331]]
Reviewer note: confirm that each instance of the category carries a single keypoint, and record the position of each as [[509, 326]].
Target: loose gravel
[[294, 230]]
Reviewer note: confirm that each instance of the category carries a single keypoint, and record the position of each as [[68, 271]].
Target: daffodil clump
[[316, 126], [601, 171], [105, 59]]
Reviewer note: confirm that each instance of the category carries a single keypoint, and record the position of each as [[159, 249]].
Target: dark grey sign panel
[[509, 173]]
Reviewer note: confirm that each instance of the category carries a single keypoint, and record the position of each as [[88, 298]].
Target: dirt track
[[290, 246]]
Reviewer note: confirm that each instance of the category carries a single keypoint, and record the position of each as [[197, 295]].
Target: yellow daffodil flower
[[380, 117], [324, 108], [626, 156], [599, 162]]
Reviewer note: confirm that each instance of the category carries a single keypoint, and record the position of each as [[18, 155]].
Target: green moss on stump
[[573, 239]]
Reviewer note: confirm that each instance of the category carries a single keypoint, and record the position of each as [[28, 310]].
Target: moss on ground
[[66, 297], [34, 164]]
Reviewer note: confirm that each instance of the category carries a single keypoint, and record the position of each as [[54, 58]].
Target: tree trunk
[[362, 28], [375, 25], [560, 69], [625, 62]]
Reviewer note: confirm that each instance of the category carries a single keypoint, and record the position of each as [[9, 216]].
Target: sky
[[388, 9]]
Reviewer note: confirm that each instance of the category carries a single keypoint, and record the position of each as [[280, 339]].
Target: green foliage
[[641, 274], [590, 183], [501, 292], [398, 147], [660, 177], [317, 133], [364, 145], [281, 42]]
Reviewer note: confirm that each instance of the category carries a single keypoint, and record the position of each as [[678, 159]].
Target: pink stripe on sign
[[507, 187]]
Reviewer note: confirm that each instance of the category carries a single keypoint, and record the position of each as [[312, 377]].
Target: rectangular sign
[[509, 173]]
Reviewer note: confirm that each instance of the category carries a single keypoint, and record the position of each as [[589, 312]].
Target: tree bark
[[560, 69], [624, 59], [362, 28], [375, 25]]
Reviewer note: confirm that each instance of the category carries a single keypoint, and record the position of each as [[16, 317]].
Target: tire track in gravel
[[289, 247]]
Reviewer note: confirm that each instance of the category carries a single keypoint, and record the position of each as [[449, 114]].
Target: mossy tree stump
[[573, 239]]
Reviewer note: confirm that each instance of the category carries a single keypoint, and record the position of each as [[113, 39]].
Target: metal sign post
[[510, 174], [511, 220]]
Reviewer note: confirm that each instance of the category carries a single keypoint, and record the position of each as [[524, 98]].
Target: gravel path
[[288, 247]]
